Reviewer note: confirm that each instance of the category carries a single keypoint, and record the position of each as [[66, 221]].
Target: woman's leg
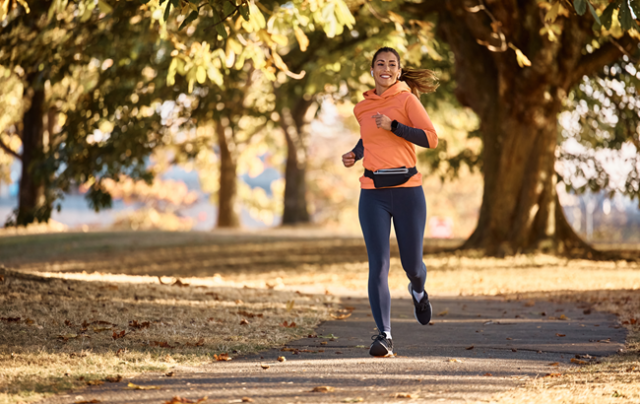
[[375, 219], [409, 219]]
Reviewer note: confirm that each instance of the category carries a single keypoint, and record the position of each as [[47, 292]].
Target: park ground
[[90, 308]]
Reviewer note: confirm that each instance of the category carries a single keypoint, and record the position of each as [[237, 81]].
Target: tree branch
[[8, 150], [607, 54]]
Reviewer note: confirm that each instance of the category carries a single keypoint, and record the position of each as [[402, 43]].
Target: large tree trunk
[[518, 109], [32, 205], [295, 124], [228, 215]]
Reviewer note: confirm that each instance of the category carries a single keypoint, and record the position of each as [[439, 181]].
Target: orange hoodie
[[382, 148]]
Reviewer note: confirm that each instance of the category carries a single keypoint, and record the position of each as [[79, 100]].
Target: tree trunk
[[228, 215], [518, 109], [296, 128], [32, 205]]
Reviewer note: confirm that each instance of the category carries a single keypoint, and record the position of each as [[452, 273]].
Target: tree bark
[[32, 205], [518, 109], [295, 124], [228, 215]]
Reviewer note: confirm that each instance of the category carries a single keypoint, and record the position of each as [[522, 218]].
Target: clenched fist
[[349, 159]]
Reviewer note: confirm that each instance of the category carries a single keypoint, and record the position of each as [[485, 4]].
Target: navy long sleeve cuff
[[359, 150], [413, 135]]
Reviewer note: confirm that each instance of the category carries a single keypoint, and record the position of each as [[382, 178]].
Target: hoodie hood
[[399, 87]]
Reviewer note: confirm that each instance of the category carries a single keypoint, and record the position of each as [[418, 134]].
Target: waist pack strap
[[370, 174]]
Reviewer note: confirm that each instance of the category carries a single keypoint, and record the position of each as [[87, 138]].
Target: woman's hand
[[382, 121], [349, 159]]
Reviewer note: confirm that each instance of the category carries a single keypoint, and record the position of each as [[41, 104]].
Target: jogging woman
[[392, 120]]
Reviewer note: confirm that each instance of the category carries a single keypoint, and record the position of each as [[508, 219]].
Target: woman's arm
[[359, 150], [421, 132], [350, 158]]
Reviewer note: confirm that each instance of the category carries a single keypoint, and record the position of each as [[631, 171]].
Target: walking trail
[[476, 347]]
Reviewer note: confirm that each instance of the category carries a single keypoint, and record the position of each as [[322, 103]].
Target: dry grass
[[273, 268], [64, 337]]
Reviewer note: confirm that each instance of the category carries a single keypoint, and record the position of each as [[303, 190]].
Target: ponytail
[[420, 80]]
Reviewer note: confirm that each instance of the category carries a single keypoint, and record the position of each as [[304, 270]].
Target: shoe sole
[[380, 351], [415, 314]]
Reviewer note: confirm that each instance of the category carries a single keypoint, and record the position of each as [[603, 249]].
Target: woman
[[392, 120]]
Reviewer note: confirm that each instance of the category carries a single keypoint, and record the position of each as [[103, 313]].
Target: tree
[[515, 63]]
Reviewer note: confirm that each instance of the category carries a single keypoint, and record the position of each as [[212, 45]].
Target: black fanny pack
[[390, 177]]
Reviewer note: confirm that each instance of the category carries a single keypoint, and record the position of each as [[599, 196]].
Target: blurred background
[[181, 115]]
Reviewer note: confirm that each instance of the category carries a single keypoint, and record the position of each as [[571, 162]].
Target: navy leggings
[[408, 209]]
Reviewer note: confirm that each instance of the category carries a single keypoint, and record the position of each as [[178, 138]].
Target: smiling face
[[386, 69]]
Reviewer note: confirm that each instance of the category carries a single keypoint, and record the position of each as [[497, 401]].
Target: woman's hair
[[419, 80]]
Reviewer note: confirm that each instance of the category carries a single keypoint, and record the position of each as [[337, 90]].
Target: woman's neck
[[381, 89]]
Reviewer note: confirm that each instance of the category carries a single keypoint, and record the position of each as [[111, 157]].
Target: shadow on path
[[478, 346]]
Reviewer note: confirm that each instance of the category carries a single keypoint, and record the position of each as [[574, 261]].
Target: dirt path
[[478, 347]]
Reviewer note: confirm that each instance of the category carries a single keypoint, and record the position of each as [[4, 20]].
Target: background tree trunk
[[31, 198], [228, 215], [295, 124], [518, 109]]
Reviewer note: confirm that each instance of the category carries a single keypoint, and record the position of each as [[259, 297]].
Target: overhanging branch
[[605, 55], [8, 150]]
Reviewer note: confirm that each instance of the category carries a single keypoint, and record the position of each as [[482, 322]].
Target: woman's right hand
[[349, 159]]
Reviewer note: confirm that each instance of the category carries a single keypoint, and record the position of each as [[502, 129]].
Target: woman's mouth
[[385, 76]]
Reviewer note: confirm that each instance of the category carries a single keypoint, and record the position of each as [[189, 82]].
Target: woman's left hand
[[382, 121]]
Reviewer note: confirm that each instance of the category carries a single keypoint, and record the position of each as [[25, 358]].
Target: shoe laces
[[423, 305], [379, 337]]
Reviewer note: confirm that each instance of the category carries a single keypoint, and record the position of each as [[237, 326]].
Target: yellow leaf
[[201, 75], [521, 58], [132, 386], [323, 389], [280, 39], [303, 41], [552, 14]]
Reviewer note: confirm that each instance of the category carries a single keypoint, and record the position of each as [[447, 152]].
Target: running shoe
[[381, 346], [421, 309]]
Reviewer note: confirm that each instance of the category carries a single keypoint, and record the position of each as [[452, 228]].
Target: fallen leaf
[[282, 359], [290, 305], [560, 335], [100, 329], [132, 386], [222, 357], [487, 374], [454, 360], [353, 400], [137, 325], [553, 375], [631, 369], [324, 343], [514, 350], [160, 280], [199, 342], [115, 379], [330, 336], [338, 352], [404, 395], [469, 348], [247, 399], [578, 361], [361, 346], [264, 366], [312, 336], [238, 301], [509, 339], [178, 282], [341, 316], [118, 335], [245, 322], [121, 351], [29, 321], [530, 303], [553, 364], [161, 344], [349, 308], [10, 319], [66, 337], [320, 350], [88, 402], [249, 315], [605, 341], [443, 313], [563, 317], [169, 374], [286, 324], [1, 278], [323, 389], [95, 382], [182, 400]]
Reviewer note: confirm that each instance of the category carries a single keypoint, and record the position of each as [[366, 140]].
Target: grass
[[112, 277], [57, 334]]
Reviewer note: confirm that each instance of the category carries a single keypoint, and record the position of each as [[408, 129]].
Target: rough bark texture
[[295, 124], [31, 198], [228, 215], [518, 109]]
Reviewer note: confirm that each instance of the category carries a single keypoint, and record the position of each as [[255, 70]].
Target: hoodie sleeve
[[421, 131], [359, 150]]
